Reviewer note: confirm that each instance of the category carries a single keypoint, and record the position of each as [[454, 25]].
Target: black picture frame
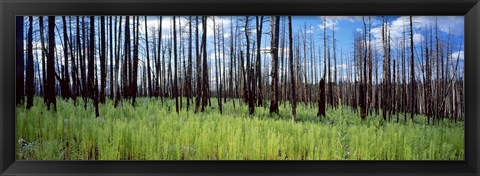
[[10, 8]]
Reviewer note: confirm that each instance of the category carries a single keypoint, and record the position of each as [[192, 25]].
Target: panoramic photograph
[[240, 88]]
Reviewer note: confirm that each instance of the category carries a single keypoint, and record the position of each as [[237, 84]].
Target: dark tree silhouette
[[103, 69], [30, 88], [51, 64], [19, 60], [258, 70], [189, 69], [275, 28], [412, 73], [65, 81], [292, 77], [175, 89]]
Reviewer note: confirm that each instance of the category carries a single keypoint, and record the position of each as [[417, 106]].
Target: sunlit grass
[[154, 131]]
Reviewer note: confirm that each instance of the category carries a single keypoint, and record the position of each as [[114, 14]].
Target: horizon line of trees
[[96, 58]]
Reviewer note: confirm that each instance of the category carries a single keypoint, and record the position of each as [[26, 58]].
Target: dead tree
[[275, 24], [292, 77]]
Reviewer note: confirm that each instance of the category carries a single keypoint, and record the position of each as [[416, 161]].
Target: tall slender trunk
[[30, 89], [199, 67], [51, 64], [149, 72], [175, 89], [103, 68], [205, 65], [189, 69], [44, 52], [412, 73], [92, 89], [19, 60], [111, 57], [250, 93], [292, 77], [275, 24], [259, 26]]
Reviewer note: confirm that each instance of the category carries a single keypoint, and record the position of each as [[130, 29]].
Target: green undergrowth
[[154, 131]]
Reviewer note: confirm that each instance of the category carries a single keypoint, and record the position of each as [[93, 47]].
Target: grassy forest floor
[[154, 131]]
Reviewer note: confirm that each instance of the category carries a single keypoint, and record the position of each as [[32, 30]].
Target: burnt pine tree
[[125, 67], [249, 95], [275, 30], [134, 75], [91, 90], [51, 64], [292, 77], [258, 70], [204, 64], [363, 91], [329, 80], [73, 91], [111, 56], [384, 85], [65, 82], [44, 52], [370, 68], [83, 64], [189, 69], [149, 77], [199, 67], [175, 89], [159, 61], [103, 71], [19, 60], [232, 60], [216, 39], [30, 88], [81, 57], [412, 73], [321, 100], [117, 60], [334, 82]]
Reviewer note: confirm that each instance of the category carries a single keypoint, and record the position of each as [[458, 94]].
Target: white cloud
[[329, 22], [397, 27], [447, 24], [458, 55]]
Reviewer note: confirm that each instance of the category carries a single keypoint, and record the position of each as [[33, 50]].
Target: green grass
[[154, 131]]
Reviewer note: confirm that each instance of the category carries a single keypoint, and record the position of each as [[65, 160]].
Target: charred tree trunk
[[19, 60], [292, 77], [65, 82], [149, 72], [133, 85], [44, 53], [275, 39], [30, 88], [51, 64], [189, 69], [199, 67], [111, 59], [205, 65], [175, 88], [250, 95], [363, 90], [412, 73], [259, 62], [91, 90], [103, 69], [117, 61]]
